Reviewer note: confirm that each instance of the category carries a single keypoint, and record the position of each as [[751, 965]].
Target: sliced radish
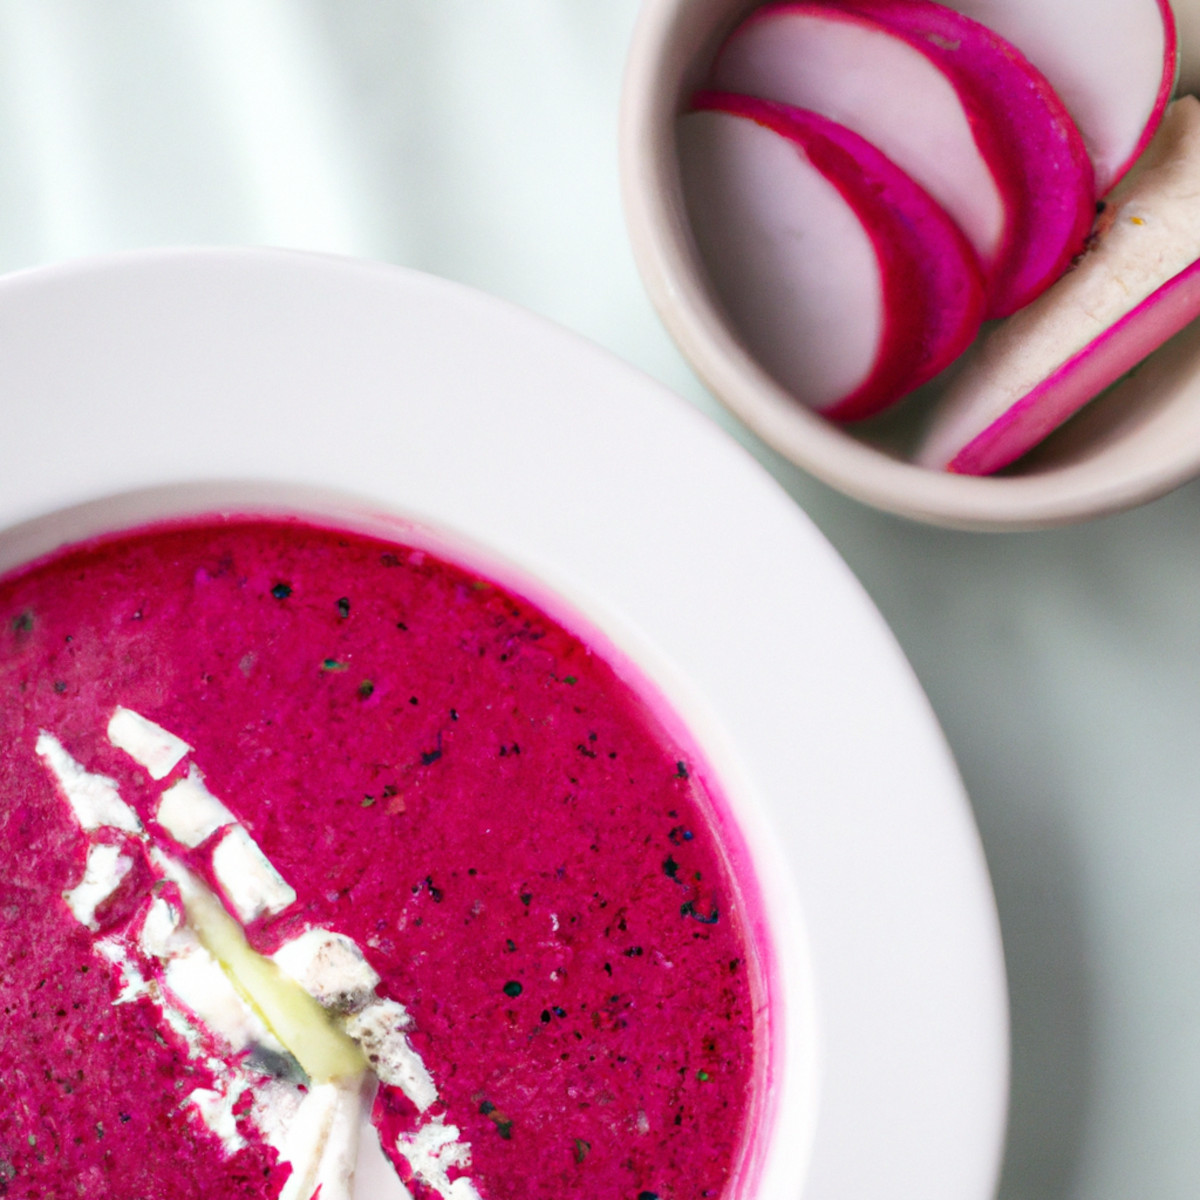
[[1112, 62], [844, 279], [1138, 285], [951, 104]]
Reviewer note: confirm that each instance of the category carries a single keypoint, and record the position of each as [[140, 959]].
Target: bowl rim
[[313, 372], [669, 38]]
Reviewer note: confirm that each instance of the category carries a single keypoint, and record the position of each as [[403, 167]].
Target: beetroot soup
[[483, 891]]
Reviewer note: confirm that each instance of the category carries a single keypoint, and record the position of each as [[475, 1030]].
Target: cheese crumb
[[322, 1141], [431, 1151], [93, 798], [331, 968], [146, 743], [133, 982], [249, 881], [215, 1109], [379, 1031], [189, 812], [102, 874]]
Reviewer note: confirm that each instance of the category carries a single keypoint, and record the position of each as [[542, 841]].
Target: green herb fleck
[[513, 988], [367, 801], [504, 1129], [571, 679], [281, 591], [343, 607], [581, 1149], [366, 689], [332, 664], [703, 1076]]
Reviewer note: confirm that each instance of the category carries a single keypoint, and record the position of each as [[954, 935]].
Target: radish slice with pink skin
[[1113, 62], [925, 84], [850, 70], [1137, 286], [845, 280]]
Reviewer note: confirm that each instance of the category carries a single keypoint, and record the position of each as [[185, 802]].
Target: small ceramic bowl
[[1140, 440]]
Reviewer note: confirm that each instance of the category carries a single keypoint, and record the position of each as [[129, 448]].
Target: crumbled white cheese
[[216, 1111], [102, 874], [329, 967], [273, 1108], [93, 798], [296, 1019], [198, 994], [133, 982], [164, 932], [379, 1031], [461, 1189], [146, 743], [199, 983], [189, 812], [178, 1020], [431, 1150], [195, 980], [249, 881], [322, 1141]]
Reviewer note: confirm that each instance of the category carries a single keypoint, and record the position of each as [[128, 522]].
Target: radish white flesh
[[950, 103], [1112, 62], [854, 72], [844, 279], [1027, 135], [787, 255], [1137, 286]]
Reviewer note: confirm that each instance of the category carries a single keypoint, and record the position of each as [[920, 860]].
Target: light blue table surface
[[476, 139]]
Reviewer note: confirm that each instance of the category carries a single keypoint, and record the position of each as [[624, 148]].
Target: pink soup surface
[[445, 775]]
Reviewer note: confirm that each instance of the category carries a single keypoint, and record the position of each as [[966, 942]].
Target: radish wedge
[[844, 279], [925, 84], [1113, 63], [1138, 285]]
